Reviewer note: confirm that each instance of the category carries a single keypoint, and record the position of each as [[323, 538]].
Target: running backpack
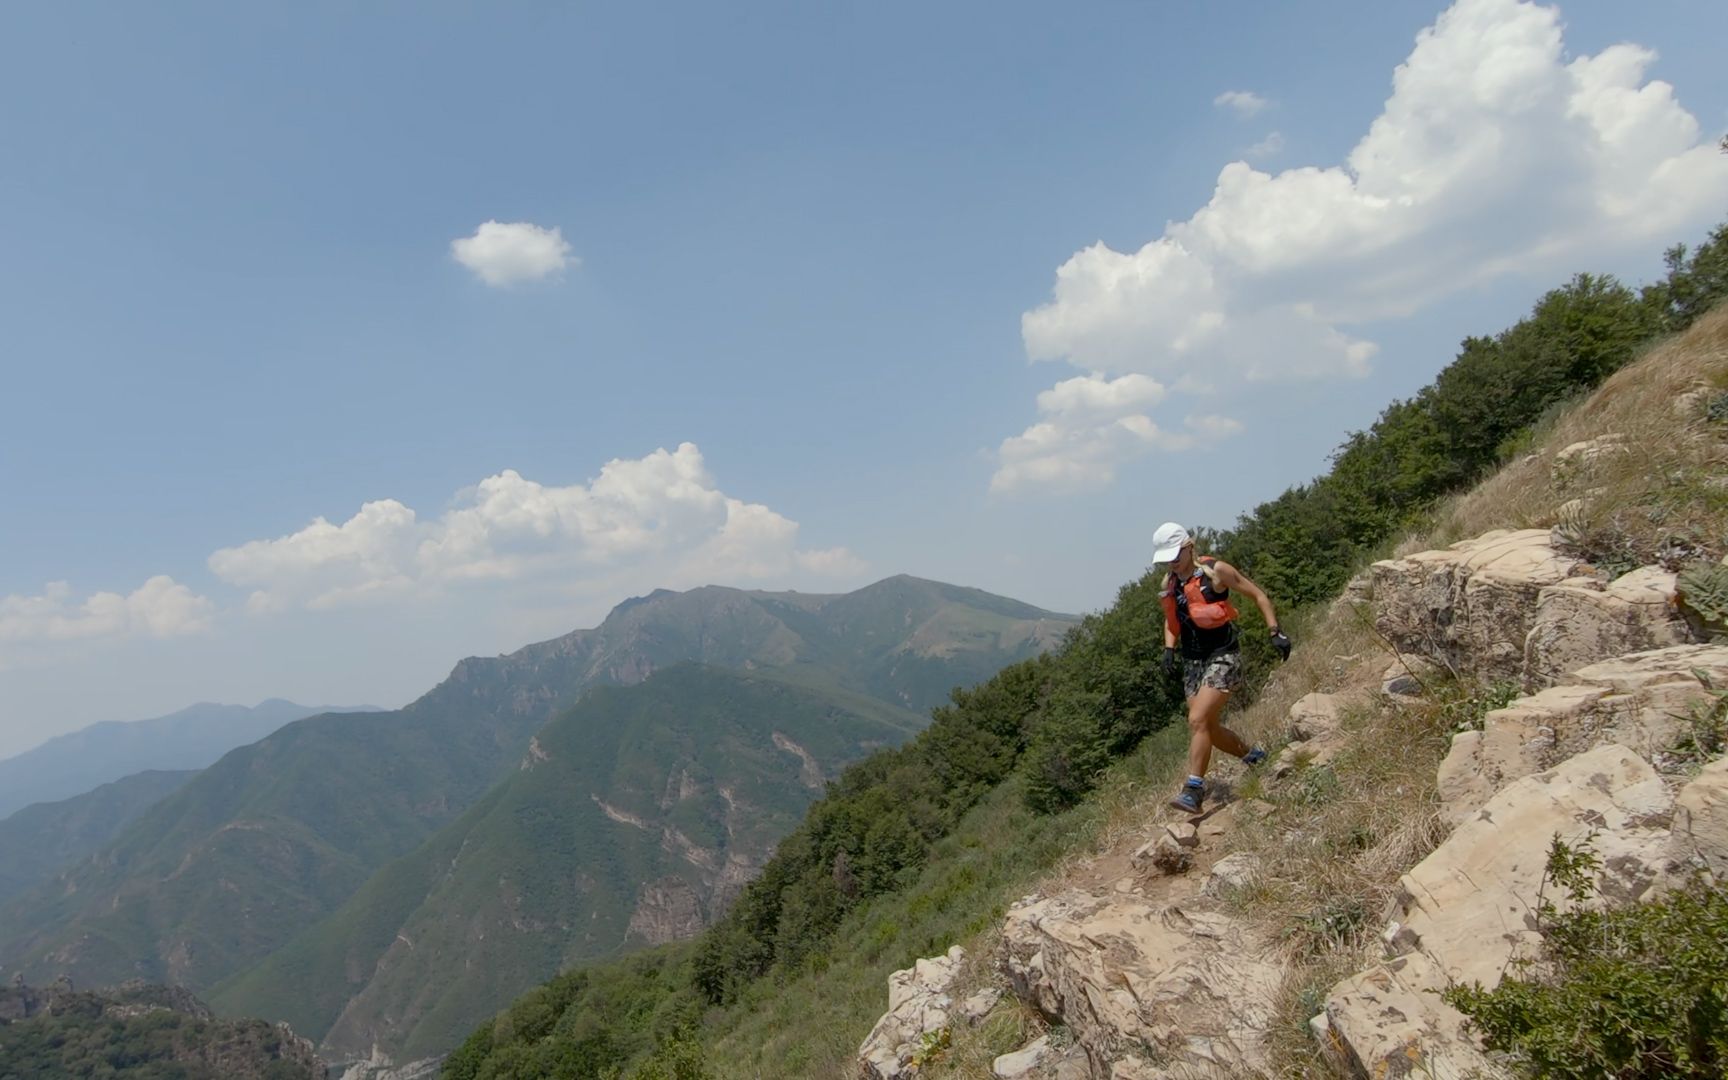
[[1208, 613]]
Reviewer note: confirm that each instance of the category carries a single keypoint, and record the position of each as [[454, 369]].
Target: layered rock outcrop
[[1582, 620], [1510, 606], [1700, 833], [918, 1006], [1470, 606], [1642, 701]]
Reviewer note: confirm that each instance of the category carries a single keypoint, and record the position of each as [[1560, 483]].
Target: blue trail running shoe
[[1253, 757], [1190, 798]]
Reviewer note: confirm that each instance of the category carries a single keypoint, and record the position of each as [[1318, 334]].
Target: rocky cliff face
[[57, 1030], [1155, 973], [667, 910]]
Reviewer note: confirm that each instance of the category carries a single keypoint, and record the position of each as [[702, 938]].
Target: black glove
[[1281, 642], [1169, 660]]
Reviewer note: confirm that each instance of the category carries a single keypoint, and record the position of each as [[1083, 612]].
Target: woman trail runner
[[1200, 620]]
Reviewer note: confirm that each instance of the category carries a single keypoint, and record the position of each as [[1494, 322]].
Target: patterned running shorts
[[1221, 671]]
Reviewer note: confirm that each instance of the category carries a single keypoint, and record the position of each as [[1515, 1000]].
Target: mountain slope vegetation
[[43, 837], [908, 853], [277, 835], [634, 817]]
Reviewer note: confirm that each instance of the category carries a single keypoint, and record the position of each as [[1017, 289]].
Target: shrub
[[1703, 591], [1628, 992]]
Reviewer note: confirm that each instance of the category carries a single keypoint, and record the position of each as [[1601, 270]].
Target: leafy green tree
[[1696, 282]]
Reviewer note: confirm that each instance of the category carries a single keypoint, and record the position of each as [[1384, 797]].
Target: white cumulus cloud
[[506, 253], [1241, 102], [658, 520], [1095, 395], [159, 608], [1494, 155], [1091, 424]]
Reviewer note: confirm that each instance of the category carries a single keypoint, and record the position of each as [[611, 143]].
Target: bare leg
[[1205, 731]]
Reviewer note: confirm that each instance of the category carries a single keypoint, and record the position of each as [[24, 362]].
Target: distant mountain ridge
[[277, 835], [192, 738]]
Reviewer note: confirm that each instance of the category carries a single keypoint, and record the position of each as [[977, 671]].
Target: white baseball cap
[[1169, 541]]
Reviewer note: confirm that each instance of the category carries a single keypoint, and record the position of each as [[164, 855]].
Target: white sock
[[1196, 781]]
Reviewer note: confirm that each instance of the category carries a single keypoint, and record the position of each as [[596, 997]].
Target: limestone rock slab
[[1022, 1061], [975, 1008], [1193, 985], [1467, 909], [1236, 871], [1315, 716], [1581, 621], [1408, 678], [1639, 701], [1701, 820], [1470, 606], [918, 1003]]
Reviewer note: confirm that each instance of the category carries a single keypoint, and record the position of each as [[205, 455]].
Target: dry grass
[[1663, 498], [1334, 847], [972, 1050]]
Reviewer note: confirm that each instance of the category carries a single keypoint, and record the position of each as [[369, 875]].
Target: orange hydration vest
[[1196, 602]]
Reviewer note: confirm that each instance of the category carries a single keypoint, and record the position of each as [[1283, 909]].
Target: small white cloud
[[1270, 146], [643, 523], [1241, 102], [506, 253], [159, 608]]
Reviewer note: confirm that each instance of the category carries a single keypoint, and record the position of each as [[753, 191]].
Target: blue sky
[[819, 244]]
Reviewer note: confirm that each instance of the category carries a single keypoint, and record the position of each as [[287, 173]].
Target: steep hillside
[[42, 838], [633, 819], [192, 738], [1038, 800], [1495, 842], [277, 835]]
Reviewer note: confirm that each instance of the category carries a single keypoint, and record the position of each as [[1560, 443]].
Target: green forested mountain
[[277, 835], [633, 819], [43, 837]]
